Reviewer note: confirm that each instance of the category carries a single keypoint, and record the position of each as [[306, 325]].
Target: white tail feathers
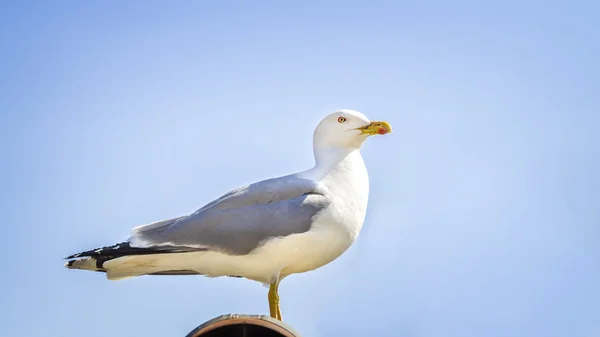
[[84, 264]]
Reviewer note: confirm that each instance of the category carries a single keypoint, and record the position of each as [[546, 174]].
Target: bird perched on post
[[264, 231]]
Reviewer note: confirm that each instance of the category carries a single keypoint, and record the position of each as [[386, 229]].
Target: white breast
[[337, 226], [348, 183]]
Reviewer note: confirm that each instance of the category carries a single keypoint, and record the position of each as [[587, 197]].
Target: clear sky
[[484, 213]]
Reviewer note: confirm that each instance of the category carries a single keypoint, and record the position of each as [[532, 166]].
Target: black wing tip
[[103, 251], [74, 256], [70, 257], [124, 248]]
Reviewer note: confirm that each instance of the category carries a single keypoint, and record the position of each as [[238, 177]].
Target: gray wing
[[242, 219], [275, 189]]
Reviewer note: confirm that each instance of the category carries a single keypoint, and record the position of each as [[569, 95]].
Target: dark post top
[[233, 325]]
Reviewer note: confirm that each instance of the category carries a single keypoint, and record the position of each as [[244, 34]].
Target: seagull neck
[[326, 159]]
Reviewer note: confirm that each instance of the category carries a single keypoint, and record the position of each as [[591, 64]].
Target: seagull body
[[264, 231]]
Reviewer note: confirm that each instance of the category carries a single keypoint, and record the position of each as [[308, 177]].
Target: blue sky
[[484, 215]]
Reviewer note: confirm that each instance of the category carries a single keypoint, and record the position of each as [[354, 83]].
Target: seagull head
[[347, 129]]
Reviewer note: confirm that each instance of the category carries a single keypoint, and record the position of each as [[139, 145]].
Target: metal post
[[234, 325]]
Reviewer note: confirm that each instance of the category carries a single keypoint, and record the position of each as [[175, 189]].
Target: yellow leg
[[274, 308], [279, 313]]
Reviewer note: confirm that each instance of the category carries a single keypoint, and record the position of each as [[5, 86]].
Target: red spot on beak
[[382, 131]]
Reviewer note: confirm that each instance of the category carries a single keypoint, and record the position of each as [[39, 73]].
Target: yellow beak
[[376, 128]]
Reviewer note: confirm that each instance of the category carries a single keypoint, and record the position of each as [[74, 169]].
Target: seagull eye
[[341, 119]]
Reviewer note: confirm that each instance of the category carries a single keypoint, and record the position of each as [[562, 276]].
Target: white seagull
[[263, 231]]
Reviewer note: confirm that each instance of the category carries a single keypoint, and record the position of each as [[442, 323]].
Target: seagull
[[263, 231]]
